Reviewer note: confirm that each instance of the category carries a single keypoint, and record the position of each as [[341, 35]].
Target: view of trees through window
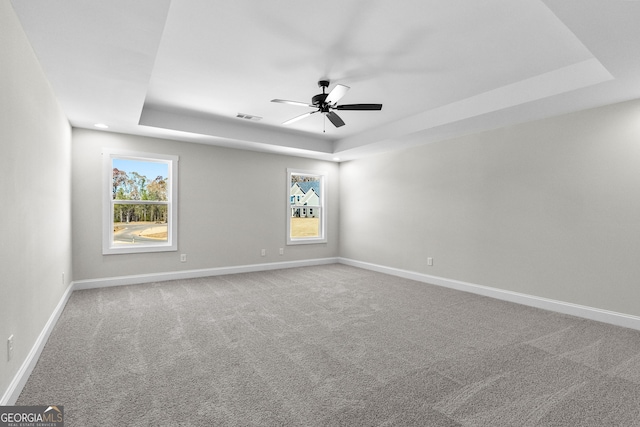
[[305, 197], [140, 198]]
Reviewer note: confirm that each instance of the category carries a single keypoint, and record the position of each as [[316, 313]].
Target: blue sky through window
[[149, 169]]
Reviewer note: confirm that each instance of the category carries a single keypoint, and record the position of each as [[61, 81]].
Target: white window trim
[[108, 248], [322, 208]]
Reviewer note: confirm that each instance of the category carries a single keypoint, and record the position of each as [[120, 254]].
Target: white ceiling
[[184, 69]]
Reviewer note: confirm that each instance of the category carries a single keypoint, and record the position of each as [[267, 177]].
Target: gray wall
[[232, 204], [549, 208], [35, 229]]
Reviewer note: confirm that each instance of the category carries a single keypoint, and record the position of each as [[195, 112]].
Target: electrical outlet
[[263, 252], [429, 261], [281, 251], [183, 257], [10, 347]]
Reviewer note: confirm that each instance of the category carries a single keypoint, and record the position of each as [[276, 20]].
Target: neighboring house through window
[[140, 202], [306, 221]]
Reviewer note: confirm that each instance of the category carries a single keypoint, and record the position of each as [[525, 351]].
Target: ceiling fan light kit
[[327, 102]]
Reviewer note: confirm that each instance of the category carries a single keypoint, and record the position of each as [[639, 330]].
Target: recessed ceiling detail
[[441, 68]]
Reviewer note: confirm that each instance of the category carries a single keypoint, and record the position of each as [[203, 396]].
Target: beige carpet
[[327, 346]]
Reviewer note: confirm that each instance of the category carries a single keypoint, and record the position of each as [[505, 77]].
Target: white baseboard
[[591, 313], [20, 379], [192, 274]]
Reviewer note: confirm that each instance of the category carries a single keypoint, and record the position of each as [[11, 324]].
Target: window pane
[[305, 227], [139, 180], [141, 224], [140, 213], [305, 198], [305, 190]]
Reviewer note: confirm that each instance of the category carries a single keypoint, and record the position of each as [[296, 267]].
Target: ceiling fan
[[327, 102]]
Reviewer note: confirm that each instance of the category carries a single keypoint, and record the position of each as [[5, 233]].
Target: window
[[140, 211], [306, 221]]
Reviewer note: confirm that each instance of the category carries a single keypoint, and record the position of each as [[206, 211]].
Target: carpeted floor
[[329, 346]]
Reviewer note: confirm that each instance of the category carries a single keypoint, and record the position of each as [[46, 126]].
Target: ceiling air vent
[[248, 117]]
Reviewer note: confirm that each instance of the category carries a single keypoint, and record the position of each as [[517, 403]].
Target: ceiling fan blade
[[361, 107], [335, 119], [301, 116], [301, 104], [336, 93]]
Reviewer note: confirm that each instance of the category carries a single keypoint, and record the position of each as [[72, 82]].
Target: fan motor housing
[[318, 100]]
